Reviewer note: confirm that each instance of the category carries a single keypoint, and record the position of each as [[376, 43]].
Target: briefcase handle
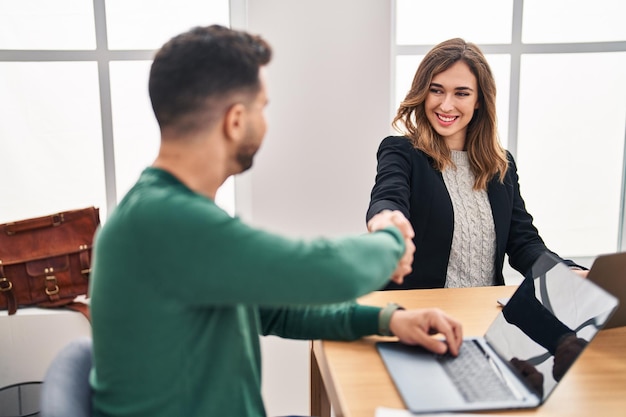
[[32, 224]]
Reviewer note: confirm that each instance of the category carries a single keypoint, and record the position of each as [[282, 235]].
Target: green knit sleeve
[[343, 321], [211, 258]]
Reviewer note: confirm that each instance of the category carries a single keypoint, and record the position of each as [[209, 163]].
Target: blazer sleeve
[[392, 188]]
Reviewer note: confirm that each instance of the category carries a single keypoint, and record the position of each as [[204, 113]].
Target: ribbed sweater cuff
[[365, 320]]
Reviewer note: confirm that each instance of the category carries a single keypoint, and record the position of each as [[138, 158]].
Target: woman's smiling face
[[450, 104]]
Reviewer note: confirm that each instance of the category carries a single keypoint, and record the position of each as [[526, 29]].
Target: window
[[77, 127], [561, 104]]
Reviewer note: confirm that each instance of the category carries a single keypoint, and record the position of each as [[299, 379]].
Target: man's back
[[156, 351], [175, 286]]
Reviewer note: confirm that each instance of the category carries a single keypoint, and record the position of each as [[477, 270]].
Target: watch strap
[[384, 318]]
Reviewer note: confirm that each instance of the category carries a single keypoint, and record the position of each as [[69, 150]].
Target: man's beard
[[245, 157]]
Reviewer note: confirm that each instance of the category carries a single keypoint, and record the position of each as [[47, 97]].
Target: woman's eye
[[435, 91]]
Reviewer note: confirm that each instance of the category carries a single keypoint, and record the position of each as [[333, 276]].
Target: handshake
[[388, 218], [417, 326]]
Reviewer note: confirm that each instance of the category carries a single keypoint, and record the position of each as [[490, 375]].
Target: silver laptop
[[520, 360], [609, 272]]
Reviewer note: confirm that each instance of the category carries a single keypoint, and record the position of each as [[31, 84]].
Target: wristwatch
[[384, 318]]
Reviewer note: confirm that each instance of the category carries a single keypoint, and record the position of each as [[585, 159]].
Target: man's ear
[[235, 122]]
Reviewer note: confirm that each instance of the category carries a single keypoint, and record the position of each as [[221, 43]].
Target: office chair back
[[66, 391]]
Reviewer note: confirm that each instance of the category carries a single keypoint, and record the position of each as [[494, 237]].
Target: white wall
[[329, 109], [329, 104]]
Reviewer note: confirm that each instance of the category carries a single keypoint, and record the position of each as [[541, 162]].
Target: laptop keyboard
[[474, 375]]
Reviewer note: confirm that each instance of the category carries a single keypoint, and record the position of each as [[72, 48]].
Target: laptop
[[609, 272], [526, 351]]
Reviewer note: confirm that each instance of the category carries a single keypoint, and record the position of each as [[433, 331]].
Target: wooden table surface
[[352, 377]]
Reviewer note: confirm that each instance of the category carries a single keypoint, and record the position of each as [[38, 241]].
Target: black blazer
[[407, 181]]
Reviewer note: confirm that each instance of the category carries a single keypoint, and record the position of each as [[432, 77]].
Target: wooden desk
[[352, 377]]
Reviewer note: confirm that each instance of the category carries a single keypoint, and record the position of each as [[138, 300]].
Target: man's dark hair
[[200, 68]]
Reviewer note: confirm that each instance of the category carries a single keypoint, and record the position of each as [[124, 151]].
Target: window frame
[[103, 56]]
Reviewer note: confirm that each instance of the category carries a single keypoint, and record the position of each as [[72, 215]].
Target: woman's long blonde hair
[[486, 156]]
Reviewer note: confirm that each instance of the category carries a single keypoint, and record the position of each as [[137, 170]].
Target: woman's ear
[[235, 122]]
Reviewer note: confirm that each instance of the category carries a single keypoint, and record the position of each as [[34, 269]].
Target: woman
[[452, 179]]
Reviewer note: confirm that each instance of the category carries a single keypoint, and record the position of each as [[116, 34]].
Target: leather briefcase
[[46, 261]]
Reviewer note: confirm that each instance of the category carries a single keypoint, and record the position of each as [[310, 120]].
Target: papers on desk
[[394, 412]]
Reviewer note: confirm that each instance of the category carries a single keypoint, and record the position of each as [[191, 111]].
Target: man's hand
[[418, 327], [388, 218]]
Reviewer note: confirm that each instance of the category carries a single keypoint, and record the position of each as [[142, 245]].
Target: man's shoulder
[[161, 204]]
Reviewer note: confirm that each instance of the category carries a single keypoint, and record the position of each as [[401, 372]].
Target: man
[[181, 291]]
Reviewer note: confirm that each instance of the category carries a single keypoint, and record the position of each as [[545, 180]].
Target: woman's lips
[[446, 119]]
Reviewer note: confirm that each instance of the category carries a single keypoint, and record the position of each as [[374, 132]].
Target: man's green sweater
[[181, 291]]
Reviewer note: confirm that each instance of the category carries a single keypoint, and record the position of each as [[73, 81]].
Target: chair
[[66, 391]]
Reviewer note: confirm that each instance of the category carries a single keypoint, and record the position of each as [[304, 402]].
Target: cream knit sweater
[[471, 262]]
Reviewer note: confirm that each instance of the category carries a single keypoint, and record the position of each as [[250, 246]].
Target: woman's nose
[[446, 104]]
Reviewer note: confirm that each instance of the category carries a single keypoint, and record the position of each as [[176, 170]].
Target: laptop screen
[[548, 322]]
